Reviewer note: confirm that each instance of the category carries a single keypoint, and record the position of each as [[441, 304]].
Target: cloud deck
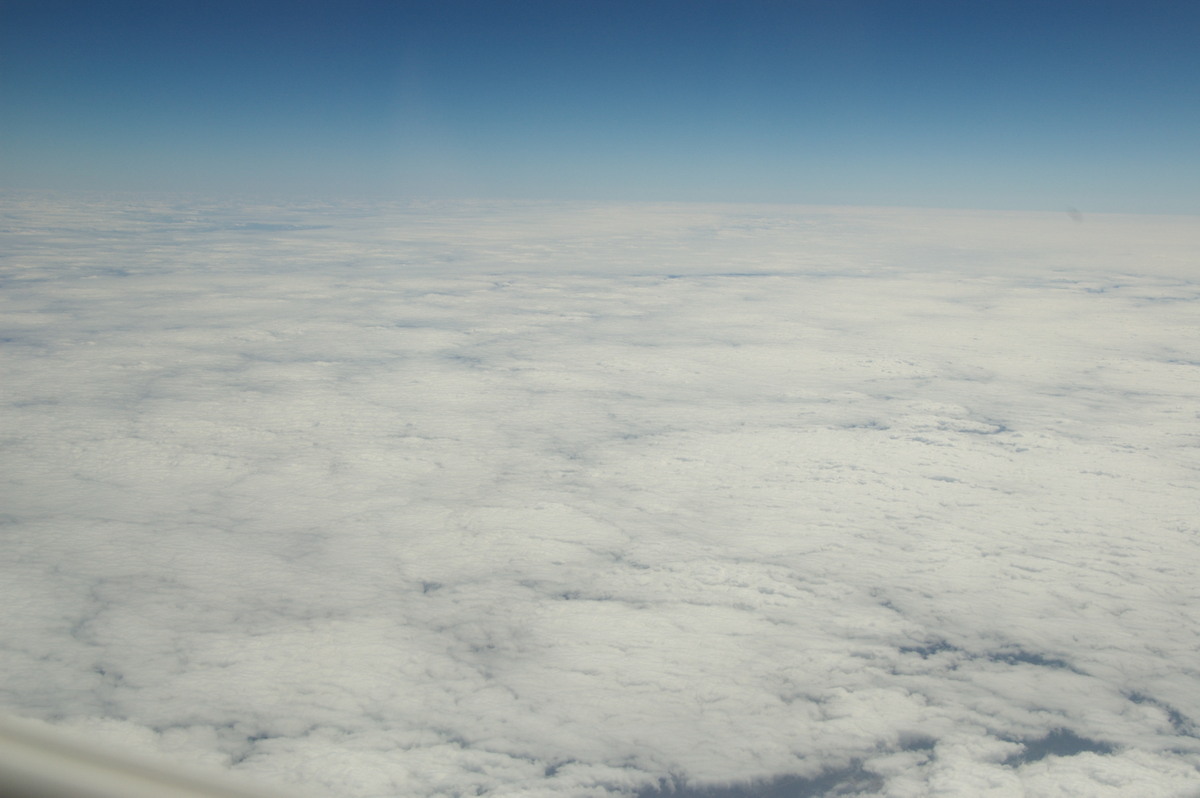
[[589, 499]]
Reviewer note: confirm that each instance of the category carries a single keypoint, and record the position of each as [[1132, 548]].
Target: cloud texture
[[594, 500]]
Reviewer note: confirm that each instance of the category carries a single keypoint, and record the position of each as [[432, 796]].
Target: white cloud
[[579, 500]]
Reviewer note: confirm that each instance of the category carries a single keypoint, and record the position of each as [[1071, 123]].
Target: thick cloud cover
[[599, 500]]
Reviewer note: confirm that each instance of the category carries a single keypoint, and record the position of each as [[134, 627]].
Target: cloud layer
[[594, 500]]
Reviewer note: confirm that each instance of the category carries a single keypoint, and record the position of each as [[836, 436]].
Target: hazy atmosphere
[[617, 400]]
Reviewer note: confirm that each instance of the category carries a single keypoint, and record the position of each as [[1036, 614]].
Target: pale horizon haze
[[1062, 106]]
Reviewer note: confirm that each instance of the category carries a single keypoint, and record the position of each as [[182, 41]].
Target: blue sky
[[1024, 105]]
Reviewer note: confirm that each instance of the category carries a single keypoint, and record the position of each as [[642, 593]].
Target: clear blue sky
[[965, 103]]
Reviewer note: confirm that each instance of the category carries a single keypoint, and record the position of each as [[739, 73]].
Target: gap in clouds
[[852, 780], [1060, 742]]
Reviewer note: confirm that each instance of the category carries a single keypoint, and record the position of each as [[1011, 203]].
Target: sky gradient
[[1020, 105]]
